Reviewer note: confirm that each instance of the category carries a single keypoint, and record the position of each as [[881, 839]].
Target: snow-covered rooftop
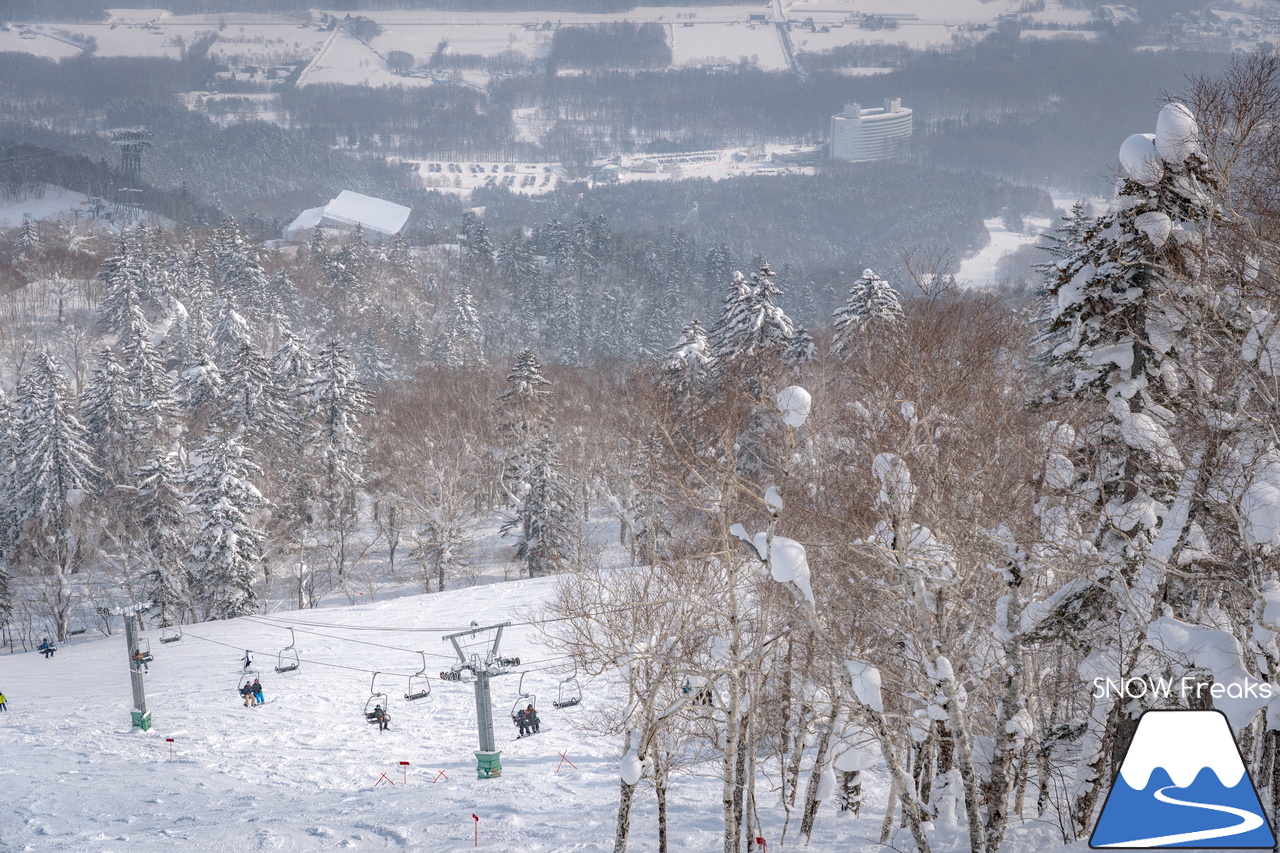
[[373, 214]]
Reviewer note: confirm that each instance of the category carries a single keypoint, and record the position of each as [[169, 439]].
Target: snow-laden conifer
[[224, 560], [871, 300]]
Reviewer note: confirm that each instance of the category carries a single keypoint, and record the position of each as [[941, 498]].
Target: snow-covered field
[[305, 771], [698, 34]]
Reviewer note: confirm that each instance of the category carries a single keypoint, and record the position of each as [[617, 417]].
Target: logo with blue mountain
[[1183, 784]]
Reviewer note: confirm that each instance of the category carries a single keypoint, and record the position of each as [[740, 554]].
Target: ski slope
[[304, 772]]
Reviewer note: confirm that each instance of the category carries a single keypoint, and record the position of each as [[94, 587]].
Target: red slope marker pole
[[563, 758], [760, 841], [404, 765], [381, 777], [438, 775], [476, 818], [169, 740]]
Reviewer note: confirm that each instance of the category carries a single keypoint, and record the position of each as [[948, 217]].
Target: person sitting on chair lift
[[47, 648], [531, 720], [140, 662], [382, 718]]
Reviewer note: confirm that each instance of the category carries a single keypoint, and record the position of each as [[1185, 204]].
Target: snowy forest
[[903, 526]]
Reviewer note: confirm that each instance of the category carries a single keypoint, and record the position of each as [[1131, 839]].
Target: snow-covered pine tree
[[291, 371], [461, 337], [318, 249], [237, 271], [338, 399], [120, 310], [161, 511], [198, 389], [53, 472], [27, 245], [373, 362], [108, 419], [477, 247], [753, 334], [229, 334], [150, 391], [224, 561], [252, 406], [543, 514], [689, 363], [526, 381], [871, 301]]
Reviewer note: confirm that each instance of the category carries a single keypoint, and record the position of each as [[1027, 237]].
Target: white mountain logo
[[1183, 783]]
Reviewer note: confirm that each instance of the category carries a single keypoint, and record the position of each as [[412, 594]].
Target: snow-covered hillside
[[304, 771]]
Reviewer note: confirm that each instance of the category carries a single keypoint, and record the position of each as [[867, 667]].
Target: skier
[[247, 660], [381, 717], [47, 649], [2, 707], [257, 692]]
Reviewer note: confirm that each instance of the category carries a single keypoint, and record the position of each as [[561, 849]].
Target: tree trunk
[[661, 775], [811, 801], [625, 794]]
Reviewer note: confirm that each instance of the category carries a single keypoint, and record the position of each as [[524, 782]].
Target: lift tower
[[130, 141], [488, 758]]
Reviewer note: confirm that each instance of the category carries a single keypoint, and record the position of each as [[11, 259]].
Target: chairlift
[[144, 650], [570, 692], [170, 634], [699, 693], [419, 683], [375, 700], [524, 699], [287, 659], [248, 677]]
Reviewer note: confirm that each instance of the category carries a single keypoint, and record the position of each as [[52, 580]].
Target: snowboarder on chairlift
[[382, 717], [531, 720], [247, 692], [257, 692], [47, 649], [521, 721], [140, 661]]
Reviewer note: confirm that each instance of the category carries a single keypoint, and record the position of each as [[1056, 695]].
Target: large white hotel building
[[874, 134]]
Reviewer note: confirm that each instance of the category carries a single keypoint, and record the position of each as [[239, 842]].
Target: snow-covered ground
[[698, 34], [58, 203], [982, 269], [305, 771]]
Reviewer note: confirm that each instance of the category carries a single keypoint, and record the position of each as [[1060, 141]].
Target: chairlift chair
[[170, 634], [570, 692], [419, 683], [144, 649], [524, 699], [249, 676], [287, 659], [375, 699]]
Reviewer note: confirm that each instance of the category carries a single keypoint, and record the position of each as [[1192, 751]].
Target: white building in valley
[[378, 218], [874, 134]]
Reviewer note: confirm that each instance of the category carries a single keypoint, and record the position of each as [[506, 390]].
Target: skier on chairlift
[[382, 717]]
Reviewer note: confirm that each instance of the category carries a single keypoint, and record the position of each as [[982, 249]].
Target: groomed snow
[[304, 772]]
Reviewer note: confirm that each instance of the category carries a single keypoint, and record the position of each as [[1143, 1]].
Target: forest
[[933, 517]]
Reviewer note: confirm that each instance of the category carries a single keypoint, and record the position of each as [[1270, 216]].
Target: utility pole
[[132, 614], [488, 758]]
